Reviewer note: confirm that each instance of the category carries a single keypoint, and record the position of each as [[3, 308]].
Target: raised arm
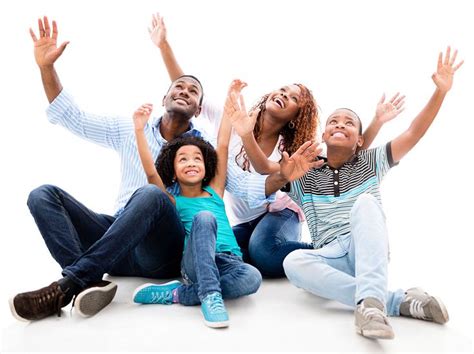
[[157, 32], [46, 53], [233, 106], [294, 167], [443, 79], [243, 125], [384, 112], [140, 118]]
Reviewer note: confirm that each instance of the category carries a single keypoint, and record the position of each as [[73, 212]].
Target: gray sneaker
[[94, 298], [419, 304], [371, 320]]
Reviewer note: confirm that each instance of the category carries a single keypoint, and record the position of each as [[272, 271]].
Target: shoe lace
[[373, 313], [49, 299], [215, 303], [416, 308], [159, 297]]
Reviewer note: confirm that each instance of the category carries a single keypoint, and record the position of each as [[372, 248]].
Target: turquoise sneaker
[[156, 293], [213, 309]]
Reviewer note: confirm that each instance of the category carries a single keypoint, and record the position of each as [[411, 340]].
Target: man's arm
[[384, 112], [46, 53], [443, 79], [157, 32]]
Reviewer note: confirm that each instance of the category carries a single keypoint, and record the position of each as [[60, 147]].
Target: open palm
[[386, 111], [45, 47], [443, 77]]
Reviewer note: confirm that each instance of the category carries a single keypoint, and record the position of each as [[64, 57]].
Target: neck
[[270, 133], [338, 156], [173, 125], [191, 191]]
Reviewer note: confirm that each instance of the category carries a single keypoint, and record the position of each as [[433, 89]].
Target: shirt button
[[336, 172], [336, 183]]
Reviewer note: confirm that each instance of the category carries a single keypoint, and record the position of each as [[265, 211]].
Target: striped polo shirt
[[327, 194], [118, 133]]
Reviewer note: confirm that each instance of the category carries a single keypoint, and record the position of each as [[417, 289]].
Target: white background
[[347, 52]]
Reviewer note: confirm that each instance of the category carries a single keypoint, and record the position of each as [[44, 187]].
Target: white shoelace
[[373, 313], [416, 308]]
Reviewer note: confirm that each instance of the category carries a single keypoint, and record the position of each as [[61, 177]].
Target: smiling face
[[343, 130], [189, 165], [284, 103], [183, 97]]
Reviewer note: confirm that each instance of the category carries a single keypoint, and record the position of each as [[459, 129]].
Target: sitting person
[[212, 265], [342, 201]]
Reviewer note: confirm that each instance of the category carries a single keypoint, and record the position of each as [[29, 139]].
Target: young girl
[[212, 265], [285, 119]]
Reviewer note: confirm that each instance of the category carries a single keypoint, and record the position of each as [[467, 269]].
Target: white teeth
[[191, 173], [181, 100], [338, 135], [279, 102]]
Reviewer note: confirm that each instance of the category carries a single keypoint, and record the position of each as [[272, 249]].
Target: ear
[[163, 102], [360, 141], [198, 112], [324, 137]]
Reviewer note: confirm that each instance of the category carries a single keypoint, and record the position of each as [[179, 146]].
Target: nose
[[184, 93], [284, 95]]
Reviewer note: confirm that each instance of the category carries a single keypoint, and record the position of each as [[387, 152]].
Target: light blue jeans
[[353, 266]]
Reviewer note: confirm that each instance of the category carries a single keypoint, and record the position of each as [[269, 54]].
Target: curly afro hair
[[165, 162]]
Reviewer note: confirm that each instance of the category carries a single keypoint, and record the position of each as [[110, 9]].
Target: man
[[145, 237]]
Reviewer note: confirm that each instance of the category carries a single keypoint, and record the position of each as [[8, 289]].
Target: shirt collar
[[157, 134]]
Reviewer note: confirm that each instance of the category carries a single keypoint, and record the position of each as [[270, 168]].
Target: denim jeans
[[204, 271], [353, 266], [145, 240], [268, 239]]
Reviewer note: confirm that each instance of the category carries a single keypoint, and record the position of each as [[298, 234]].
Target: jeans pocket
[[333, 249]]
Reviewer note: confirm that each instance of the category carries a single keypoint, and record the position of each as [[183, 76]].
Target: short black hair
[[165, 162], [194, 78], [355, 114]]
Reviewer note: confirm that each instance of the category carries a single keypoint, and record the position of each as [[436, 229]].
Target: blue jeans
[[204, 271], [145, 240], [353, 266], [268, 239]]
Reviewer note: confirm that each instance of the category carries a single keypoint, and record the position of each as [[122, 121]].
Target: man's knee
[[40, 195]]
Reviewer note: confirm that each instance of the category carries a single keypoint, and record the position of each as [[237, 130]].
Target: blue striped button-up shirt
[[118, 133]]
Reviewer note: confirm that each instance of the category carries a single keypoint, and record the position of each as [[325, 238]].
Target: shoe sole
[[375, 334], [13, 311], [439, 313], [92, 300], [221, 324], [141, 287]]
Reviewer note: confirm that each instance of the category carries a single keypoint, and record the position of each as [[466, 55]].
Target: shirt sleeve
[[247, 186], [383, 160], [103, 130]]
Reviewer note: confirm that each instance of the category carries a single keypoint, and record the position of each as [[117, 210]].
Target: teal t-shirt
[[189, 207]]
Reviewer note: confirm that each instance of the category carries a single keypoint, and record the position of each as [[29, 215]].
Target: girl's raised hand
[[141, 115]]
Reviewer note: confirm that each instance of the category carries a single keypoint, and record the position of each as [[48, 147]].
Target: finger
[[453, 59], [62, 47], [448, 53], [33, 36], [400, 105], [41, 28], [154, 21], [440, 60], [285, 157], [149, 30], [317, 164], [302, 148], [397, 101], [47, 29], [55, 30], [242, 103], [394, 97], [162, 23], [458, 66], [382, 99]]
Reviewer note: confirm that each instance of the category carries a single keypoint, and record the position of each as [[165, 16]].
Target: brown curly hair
[[304, 129]]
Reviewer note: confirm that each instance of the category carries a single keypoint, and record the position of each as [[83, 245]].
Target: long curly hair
[[165, 161], [302, 129]]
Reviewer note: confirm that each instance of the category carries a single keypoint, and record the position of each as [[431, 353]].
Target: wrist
[[163, 45]]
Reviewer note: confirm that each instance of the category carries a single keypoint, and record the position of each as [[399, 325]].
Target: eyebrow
[[187, 82]]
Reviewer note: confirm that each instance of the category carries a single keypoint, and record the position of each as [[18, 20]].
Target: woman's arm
[[232, 106]]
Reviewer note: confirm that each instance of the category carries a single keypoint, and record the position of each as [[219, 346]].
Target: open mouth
[[191, 173], [181, 100], [279, 102], [338, 135]]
